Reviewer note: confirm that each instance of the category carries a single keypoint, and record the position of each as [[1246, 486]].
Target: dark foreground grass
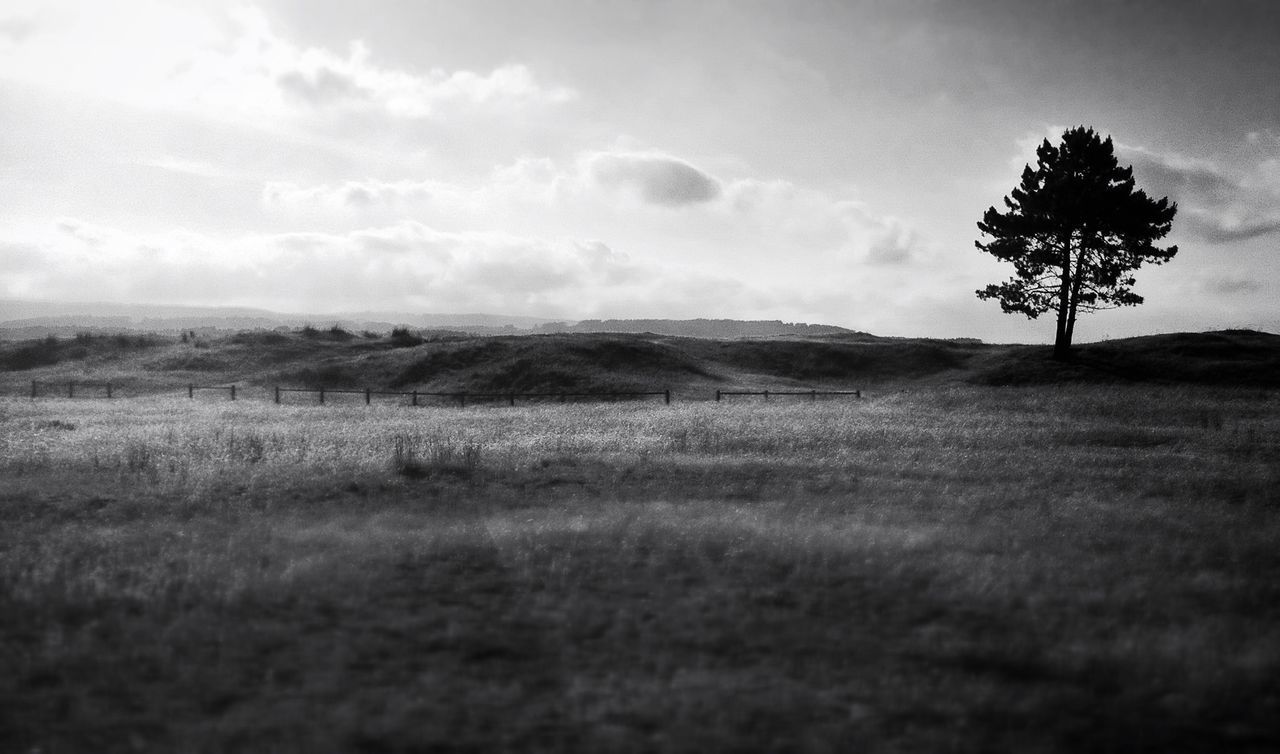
[[953, 570]]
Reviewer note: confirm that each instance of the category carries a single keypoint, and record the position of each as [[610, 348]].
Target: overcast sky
[[810, 161]]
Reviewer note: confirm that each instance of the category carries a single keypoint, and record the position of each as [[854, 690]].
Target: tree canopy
[[1075, 229]]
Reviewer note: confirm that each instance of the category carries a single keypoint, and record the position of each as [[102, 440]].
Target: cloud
[[654, 179], [1216, 226], [613, 190], [1026, 146], [236, 67], [526, 181], [1230, 286], [319, 86], [406, 265], [194, 168], [16, 29], [354, 195], [320, 78], [1215, 204], [801, 220], [19, 257], [657, 178], [1175, 175]]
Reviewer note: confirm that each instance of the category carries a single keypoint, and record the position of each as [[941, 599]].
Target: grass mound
[[334, 375], [1229, 357], [259, 338], [845, 362], [194, 361], [32, 354], [572, 363], [1237, 357]]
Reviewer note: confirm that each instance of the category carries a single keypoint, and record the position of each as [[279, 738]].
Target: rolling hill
[[592, 362]]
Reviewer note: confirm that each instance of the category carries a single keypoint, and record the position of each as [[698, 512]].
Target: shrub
[[258, 338], [403, 337], [439, 458], [37, 353]]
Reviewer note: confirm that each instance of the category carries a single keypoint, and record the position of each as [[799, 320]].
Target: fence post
[[857, 393], [415, 397], [813, 396], [667, 396], [321, 396], [511, 398], [766, 395], [366, 396], [108, 389], [233, 392], [277, 393], [33, 389], [717, 396]]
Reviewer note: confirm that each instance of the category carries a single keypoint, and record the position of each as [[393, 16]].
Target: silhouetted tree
[[1074, 231]]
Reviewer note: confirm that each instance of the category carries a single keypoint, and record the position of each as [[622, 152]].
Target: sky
[[808, 160]]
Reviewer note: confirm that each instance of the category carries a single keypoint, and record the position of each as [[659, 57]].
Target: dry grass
[[960, 569]]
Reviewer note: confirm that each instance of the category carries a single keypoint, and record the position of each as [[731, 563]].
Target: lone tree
[[1074, 231]]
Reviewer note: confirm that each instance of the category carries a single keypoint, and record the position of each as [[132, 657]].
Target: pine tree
[[1075, 231]]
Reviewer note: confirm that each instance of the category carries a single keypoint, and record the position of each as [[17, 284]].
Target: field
[[942, 567]]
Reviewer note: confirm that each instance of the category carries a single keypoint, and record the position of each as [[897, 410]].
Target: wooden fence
[[812, 395], [415, 396], [191, 390], [70, 391]]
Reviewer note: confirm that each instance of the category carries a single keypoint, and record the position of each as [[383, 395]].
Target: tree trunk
[[1062, 345], [1071, 319], [1076, 285], [1062, 337]]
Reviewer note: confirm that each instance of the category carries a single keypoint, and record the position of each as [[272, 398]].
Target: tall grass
[[951, 569]]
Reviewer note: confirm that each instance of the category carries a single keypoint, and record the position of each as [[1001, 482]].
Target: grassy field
[[945, 568]]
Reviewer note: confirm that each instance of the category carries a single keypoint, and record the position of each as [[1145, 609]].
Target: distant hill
[[30, 319], [694, 328], [35, 319]]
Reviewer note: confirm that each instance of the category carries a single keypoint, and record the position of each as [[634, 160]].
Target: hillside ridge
[[441, 360]]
